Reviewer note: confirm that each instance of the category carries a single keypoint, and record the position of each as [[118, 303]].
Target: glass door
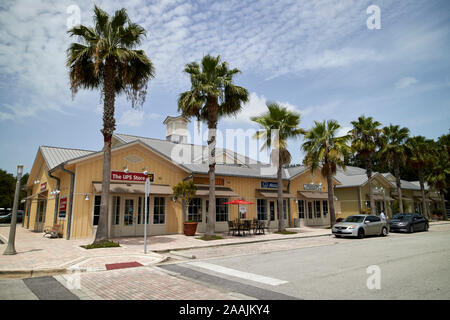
[[129, 217], [40, 215]]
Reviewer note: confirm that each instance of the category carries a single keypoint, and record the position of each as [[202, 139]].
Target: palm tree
[[438, 175], [285, 125], [323, 149], [105, 59], [185, 191], [366, 142], [212, 95], [393, 152], [419, 157]]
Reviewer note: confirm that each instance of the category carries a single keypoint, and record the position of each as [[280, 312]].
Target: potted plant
[[186, 191], [436, 214]]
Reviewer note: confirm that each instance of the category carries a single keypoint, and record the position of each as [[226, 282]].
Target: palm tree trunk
[[425, 212], [280, 195], [369, 176], [399, 185], [331, 198], [107, 131], [212, 130]]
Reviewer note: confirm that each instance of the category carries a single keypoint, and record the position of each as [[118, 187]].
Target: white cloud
[[405, 82], [256, 106], [343, 131], [136, 118]]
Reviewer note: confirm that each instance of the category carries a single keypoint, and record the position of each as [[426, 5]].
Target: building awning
[[403, 198], [220, 191], [274, 194], [137, 188], [313, 194], [380, 197]]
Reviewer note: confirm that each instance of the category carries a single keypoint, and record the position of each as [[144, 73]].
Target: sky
[[318, 58]]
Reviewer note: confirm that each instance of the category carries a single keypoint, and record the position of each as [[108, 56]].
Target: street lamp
[[10, 249]]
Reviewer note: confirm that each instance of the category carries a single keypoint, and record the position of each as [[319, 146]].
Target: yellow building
[[65, 186]]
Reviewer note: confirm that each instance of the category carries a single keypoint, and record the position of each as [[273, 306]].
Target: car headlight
[[402, 224], [351, 227]]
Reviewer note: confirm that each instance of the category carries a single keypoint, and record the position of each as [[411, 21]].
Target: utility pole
[[10, 249]]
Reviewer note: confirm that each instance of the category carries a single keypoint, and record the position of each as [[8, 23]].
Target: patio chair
[[232, 227], [53, 231], [247, 225], [262, 225]]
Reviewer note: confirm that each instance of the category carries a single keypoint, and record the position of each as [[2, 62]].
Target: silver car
[[361, 225]]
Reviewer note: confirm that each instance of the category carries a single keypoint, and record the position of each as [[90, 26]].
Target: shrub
[[103, 244]]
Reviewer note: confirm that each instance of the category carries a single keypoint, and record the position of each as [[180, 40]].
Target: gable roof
[[54, 156]]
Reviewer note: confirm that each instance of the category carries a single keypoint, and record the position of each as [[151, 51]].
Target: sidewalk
[[38, 255]]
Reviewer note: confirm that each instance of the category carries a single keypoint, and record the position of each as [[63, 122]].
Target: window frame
[[157, 207]]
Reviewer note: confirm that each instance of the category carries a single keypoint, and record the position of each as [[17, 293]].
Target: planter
[[190, 228]]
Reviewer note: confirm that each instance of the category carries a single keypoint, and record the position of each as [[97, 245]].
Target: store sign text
[[130, 176]]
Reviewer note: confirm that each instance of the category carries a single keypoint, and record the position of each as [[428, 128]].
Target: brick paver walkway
[[144, 283], [35, 252]]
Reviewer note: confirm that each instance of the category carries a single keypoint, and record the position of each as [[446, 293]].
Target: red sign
[[63, 204], [130, 176], [43, 185]]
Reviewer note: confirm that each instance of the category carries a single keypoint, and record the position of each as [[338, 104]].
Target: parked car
[[7, 218], [360, 225], [408, 222]]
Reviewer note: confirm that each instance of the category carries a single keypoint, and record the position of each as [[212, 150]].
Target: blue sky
[[317, 57]]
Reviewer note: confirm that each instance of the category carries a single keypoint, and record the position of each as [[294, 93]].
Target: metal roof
[[196, 160], [54, 156]]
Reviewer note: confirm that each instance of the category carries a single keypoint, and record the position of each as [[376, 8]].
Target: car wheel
[[410, 229], [337, 236], [384, 232], [426, 227], [360, 233]]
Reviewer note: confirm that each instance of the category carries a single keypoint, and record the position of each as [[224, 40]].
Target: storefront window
[[378, 206], [116, 209], [317, 208], [97, 202], [325, 208], [159, 210], [301, 209], [261, 207], [310, 210], [139, 215], [129, 212], [221, 209], [195, 210]]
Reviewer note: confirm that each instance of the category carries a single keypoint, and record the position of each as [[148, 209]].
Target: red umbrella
[[239, 202]]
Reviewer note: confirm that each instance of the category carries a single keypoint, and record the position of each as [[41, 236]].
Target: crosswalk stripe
[[238, 274]]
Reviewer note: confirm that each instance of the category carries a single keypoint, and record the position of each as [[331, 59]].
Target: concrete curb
[[235, 243], [30, 273]]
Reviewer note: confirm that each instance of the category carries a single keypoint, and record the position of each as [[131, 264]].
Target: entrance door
[[40, 215], [129, 217]]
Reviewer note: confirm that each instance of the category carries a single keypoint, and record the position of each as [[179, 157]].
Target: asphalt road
[[401, 266]]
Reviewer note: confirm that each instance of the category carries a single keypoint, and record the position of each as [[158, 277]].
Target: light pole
[[10, 249]]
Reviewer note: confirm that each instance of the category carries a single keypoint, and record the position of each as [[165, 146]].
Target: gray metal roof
[[54, 156], [196, 161]]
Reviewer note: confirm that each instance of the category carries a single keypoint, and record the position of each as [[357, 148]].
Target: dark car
[[7, 218], [408, 222]]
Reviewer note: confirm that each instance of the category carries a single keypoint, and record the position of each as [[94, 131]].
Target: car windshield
[[354, 219], [402, 216]]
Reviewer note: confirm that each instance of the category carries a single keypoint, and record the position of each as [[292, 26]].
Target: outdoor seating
[[246, 226], [232, 227], [260, 229], [53, 231]]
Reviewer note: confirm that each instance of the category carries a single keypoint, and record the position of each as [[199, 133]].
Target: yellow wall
[[91, 170]]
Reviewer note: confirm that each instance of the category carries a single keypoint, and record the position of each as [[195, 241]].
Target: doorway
[[40, 215], [129, 217]]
